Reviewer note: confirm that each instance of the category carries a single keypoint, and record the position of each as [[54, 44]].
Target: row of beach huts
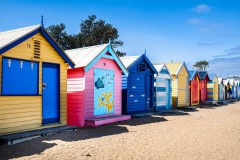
[[43, 86]]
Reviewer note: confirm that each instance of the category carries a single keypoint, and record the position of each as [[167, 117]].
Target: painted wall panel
[[183, 89], [48, 54], [139, 95], [195, 89], [110, 65], [203, 92], [16, 112], [103, 92], [163, 92]]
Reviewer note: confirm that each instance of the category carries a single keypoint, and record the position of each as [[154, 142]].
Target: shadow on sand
[[38, 145], [172, 113], [143, 120], [209, 106]]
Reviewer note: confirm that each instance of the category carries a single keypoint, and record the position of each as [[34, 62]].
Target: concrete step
[[94, 122]]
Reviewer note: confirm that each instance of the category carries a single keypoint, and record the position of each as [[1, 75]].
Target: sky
[[169, 30]]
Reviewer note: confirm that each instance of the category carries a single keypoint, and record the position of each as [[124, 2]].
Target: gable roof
[[225, 82], [202, 74], [231, 82], [192, 74], [129, 61], [160, 66], [10, 39], [87, 56], [83, 56], [212, 76], [175, 67], [220, 80], [236, 82]]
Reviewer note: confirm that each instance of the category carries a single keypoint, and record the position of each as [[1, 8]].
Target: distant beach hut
[[226, 87], [138, 87], [233, 87], [221, 89], [203, 85], [33, 80], [163, 88], [94, 86], [180, 83], [236, 88], [212, 88], [194, 88]]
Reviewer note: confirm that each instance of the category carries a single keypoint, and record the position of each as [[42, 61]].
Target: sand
[[208, 133]]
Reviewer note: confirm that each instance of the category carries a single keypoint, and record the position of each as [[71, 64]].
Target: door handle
[[44, 85]]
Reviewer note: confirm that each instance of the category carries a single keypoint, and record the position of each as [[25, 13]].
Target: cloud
[[234, 51], [230, 53], [194, 21], [206, 44], [226, 64], [225, 67], [210, 27], [202, 8]]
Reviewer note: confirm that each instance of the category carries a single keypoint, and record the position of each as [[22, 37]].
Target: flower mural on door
[[103, 92]]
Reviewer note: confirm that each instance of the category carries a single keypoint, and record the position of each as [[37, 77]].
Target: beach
[[210, 132]]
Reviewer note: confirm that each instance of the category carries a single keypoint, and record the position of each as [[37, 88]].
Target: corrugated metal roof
[[159, 66], [83, 56], [174, 67], [202, 74], [128, 60], [13, 35]]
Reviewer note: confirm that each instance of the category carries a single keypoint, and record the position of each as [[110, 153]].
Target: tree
[[201, 65], [94, 32], [60, 35], [120, 54]]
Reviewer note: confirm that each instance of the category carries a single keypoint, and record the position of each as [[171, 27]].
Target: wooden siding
[[238, 92], [212, 90], [215, 90], [203, 89], [221, 92], [163, 90], [183, 88], [174, 92], [48, 54], [137, 87], [19, 113], [195, 89], [89, 88], [75, 96]]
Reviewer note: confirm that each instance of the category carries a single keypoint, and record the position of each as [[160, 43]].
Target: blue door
[[103, 92], [149, 91], [50, 93], [137, 94]]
